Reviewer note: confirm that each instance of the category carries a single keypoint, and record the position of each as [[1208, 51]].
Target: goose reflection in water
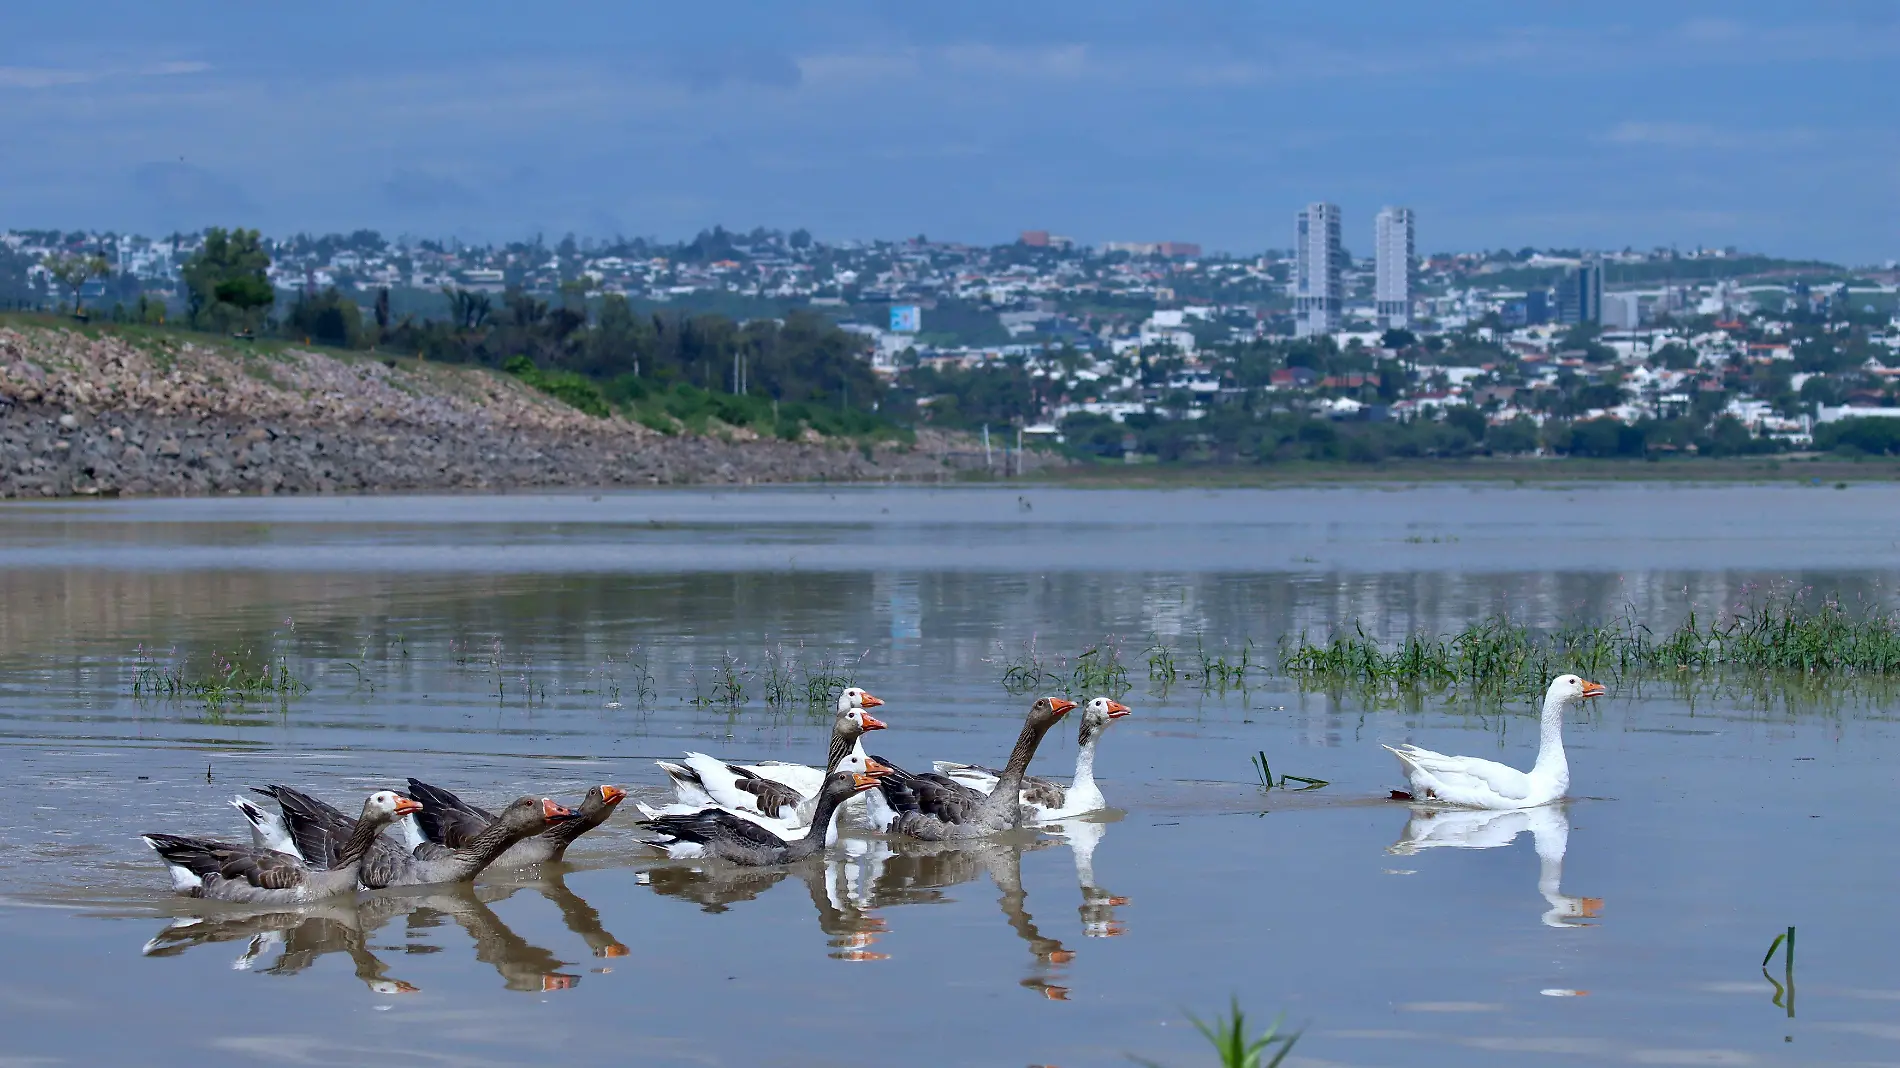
[[852, 884], [1488, 829], [306, 934]]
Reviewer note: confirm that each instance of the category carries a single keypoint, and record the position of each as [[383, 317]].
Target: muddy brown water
[[499, 645]]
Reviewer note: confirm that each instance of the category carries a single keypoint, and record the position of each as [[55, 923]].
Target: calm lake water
[[502, 645]]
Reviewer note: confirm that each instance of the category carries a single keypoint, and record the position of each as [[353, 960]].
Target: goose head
[[1097, 715], [534, 814], [1047, 710], [602, 798], [853, 697], [843, 784], [388, 806], [1570, 689], [855, 721]]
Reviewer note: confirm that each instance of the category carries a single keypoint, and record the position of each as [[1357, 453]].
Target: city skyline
[[1103, 122]]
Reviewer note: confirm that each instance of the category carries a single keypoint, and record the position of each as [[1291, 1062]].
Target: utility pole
[[989, 462]]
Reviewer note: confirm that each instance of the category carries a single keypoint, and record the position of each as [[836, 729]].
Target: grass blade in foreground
[[1228, 1034]]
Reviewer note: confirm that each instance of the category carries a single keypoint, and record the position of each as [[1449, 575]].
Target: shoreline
[[84, 414]]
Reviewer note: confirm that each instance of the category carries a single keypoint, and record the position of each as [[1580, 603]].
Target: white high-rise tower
[[1318, 295], [1393, 251]]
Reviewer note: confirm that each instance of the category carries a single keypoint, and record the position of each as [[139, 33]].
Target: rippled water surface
[[502, 645]]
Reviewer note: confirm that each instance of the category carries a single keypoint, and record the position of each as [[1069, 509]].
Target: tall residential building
[[1318, 295], [1393, 239], [1580, 294]]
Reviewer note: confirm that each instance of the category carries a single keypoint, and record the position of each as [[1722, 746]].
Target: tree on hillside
[[73, 272], [226, 279]]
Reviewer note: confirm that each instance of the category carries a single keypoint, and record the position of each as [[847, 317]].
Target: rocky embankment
[[103, 415]]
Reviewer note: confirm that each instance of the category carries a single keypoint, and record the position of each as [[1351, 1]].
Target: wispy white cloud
[[1695, 135], [54, 77]]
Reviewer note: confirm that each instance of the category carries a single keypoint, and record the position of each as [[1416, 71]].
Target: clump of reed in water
[[1098, 669], [229, 681], [1778, 635]]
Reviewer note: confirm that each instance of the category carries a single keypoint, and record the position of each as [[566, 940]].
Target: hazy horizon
[[1502, 125]]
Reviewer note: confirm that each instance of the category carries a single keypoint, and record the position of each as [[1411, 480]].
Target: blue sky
[[1767, 126]]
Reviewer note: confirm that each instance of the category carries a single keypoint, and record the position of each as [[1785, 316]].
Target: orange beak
[[872, 767], [1593, 689], [613, 795], [872, 723], [869, 702], [407, 805], [1117, 710], [555, 811], [863, 782], [1593, 906], [1062, 705]]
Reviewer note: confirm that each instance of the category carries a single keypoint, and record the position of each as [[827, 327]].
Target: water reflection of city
[[853, 889]]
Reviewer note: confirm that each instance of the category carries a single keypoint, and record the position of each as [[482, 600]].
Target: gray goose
[[433, 863], [448, 820], [1047, 799], [318, 828], [715, 832], [937, 808], [225, 871]]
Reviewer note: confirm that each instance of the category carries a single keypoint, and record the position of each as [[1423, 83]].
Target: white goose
[[1471, 782], [775, 789], [1046, 799], [790, 823]]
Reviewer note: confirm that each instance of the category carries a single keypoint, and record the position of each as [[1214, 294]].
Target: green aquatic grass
[[1779, 636], [227, 681], [1096, 670], [1263, 773], [1236, 1045]]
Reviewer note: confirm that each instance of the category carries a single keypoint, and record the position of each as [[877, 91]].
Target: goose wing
[[928, 794], [316, 827], [731, 786], [804, 778], [204, 858], [445, 818], [773, 798], [1467, 773], [1045, 794], [713, 825]]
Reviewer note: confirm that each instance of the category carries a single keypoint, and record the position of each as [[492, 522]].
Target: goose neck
[[1550, 743], [822, 817], [1085, 763], [490, 842], [362, 836], [1008, 783]]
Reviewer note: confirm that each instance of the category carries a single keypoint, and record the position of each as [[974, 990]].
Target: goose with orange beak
[[447, 820], [781, 792], [1047, 799], [1472, 782], [937, 808]]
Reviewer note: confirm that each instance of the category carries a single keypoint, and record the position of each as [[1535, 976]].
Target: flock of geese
[[754, 815]]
